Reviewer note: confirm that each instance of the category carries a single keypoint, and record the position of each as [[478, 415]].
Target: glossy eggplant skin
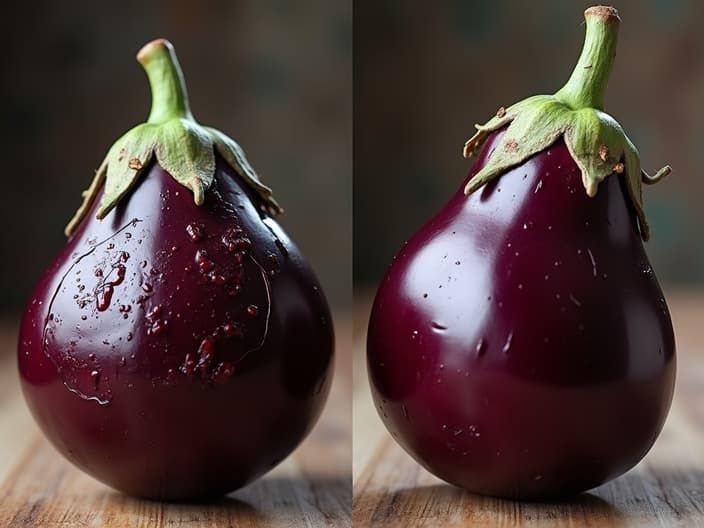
[[520, 345], [174, 351]]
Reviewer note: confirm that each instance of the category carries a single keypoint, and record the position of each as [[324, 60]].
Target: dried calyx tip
[[150, 47], [607, 13]]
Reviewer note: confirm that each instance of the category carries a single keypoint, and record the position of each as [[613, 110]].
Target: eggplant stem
[[586, 86], [169, 94]]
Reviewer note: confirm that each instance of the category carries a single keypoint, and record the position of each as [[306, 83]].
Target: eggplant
[[519, 344], [179, 346]]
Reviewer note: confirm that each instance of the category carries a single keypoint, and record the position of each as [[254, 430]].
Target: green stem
[[587, 84], [169, 96]]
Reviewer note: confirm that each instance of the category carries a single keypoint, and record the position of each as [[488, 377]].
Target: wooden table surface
[[38, 488], [665, 489]]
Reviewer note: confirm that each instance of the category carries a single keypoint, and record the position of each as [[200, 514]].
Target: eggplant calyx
[[183, 147], [595, 140]]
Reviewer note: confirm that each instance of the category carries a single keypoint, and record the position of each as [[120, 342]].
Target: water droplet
[[235, 240], [425, 296], [538, 477], [158, 327], [414, 334], [438, 326], [206, 352], [154, 313], [593, 261], [457, 263], [188, 367], [281, 246], [203, 262], [222, 372], [195, 232], [103, 297], [217, 279], [91, 356], [252, 310], [481, 347], [95, 377], [538, 187], [232, 330], [172, 377], [527, 226], [509, 342], [575, 301]]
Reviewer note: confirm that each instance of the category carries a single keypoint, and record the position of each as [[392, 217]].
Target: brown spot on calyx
[[618, 168], [603, 152], [511, 146], [606, 13], [501, 112], [134, 163]]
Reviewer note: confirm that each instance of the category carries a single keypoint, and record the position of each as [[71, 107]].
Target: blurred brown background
[[425, 72], [273, 74]]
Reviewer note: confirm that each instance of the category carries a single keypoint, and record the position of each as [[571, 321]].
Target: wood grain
[[38, 488], [666, 489]]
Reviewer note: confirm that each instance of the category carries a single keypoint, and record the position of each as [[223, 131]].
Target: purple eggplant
[[520, 344], [179, 346]]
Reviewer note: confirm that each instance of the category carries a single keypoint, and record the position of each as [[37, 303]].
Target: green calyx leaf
[[596, 142], [183, 147]]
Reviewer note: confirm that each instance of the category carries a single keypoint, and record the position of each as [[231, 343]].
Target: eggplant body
[[519, 344], [175, 351]]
